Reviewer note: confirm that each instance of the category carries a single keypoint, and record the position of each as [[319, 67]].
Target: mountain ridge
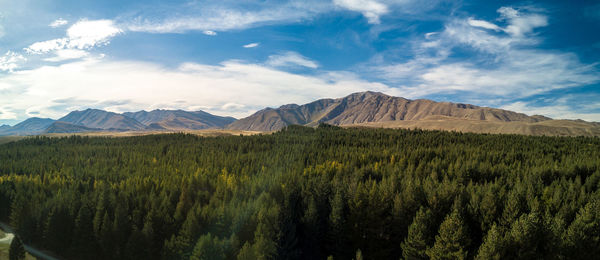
[[368, 107], [179, 119], [361, 109]]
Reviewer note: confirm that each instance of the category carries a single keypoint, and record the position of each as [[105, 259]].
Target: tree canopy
[[305, 193]]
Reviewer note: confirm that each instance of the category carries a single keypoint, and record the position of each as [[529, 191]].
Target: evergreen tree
[[16, 250], [247, 252], [525, 237], [582, 238], [208, 248], [493, 246], [452, 240], [337, 222], [84, 241], [419, 236]]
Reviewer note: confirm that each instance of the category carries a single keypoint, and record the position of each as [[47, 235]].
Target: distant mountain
[[363, 109], [179, 119], [373, 109], [95, 118], [64, 127], [31, 126]]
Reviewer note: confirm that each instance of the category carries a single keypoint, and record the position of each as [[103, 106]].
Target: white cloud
[[82, 35], [58, 23], [222, 16], [506, 64], [371, 9], [10, 61], [560, 111], [136, 85], [47, 46], [291, 58], [251, 45], [67, 54], [521, 74], [508, 12], [209, 33], [483, 24], [520, 24], [87, 34]]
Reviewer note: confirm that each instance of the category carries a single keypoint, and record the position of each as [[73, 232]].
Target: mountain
[[64, 127], [95, 118], [179, 119], [373, 109], [31, 126]]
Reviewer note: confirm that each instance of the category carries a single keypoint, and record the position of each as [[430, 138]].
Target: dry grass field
[[549, 127]]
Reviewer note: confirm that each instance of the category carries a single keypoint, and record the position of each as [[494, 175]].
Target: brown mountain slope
[[95, 118], [179, 119], [373, 107]]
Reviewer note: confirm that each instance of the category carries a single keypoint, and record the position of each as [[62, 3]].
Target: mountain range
[[363, 109]]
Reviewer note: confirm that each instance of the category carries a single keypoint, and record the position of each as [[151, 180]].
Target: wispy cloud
[[520, 24], [11, 61], [371, 9], [58, 23], [82, 35], [251, 45], [504, 64], [483, 24], [222, 16], [291, 58], [209, 33], [557, 111], [67, 54]]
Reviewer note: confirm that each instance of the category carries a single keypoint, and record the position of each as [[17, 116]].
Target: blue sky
[[235, 57]]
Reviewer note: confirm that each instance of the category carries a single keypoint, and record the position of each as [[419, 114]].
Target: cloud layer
[[232, 88]]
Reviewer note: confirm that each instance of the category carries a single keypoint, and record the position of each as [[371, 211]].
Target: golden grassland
[[549, 128]]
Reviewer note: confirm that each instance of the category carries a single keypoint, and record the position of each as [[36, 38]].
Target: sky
[[232, 58]]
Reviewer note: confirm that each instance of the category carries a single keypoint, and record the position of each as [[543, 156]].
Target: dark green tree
[[452, 240], [419, 236], [16, 250], [493, 246], [582, 238], [208, 247]]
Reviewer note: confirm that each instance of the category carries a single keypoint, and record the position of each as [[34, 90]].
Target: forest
[[305, 193]]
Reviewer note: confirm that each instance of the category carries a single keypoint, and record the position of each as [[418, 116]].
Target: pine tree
[[419, 236], [136, 246], [208, 247], [452, 240], [84, 241], [526, 237], [493, 246], [16, 250], [247, 252], [337, 224], [582, 238]]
